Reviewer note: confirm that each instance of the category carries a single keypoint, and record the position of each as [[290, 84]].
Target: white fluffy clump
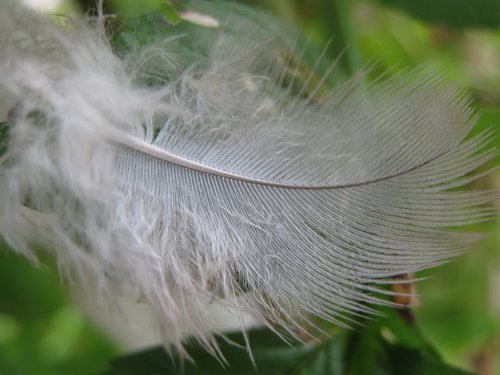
[[223, 181], [68, 95], [68, 92]]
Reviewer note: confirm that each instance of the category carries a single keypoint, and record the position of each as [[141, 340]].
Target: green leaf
[[134, 8], [452, 13], [271, 354], [348, 352], [403, 333], [410, 362]]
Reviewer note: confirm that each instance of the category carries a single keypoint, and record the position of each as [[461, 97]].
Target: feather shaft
[[163, 155]]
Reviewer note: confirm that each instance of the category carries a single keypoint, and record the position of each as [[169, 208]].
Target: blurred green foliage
[[345, 353], [452, 13], [459, 308], [41, 333]]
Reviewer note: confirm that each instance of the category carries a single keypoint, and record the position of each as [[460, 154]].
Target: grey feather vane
[[181, 183]]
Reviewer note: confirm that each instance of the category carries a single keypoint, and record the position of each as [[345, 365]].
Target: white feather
[[219, 182]]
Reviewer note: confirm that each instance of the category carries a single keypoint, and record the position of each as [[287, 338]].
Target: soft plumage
[[185, 179]]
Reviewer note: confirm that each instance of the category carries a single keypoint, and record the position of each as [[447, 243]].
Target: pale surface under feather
[[354, 184]]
